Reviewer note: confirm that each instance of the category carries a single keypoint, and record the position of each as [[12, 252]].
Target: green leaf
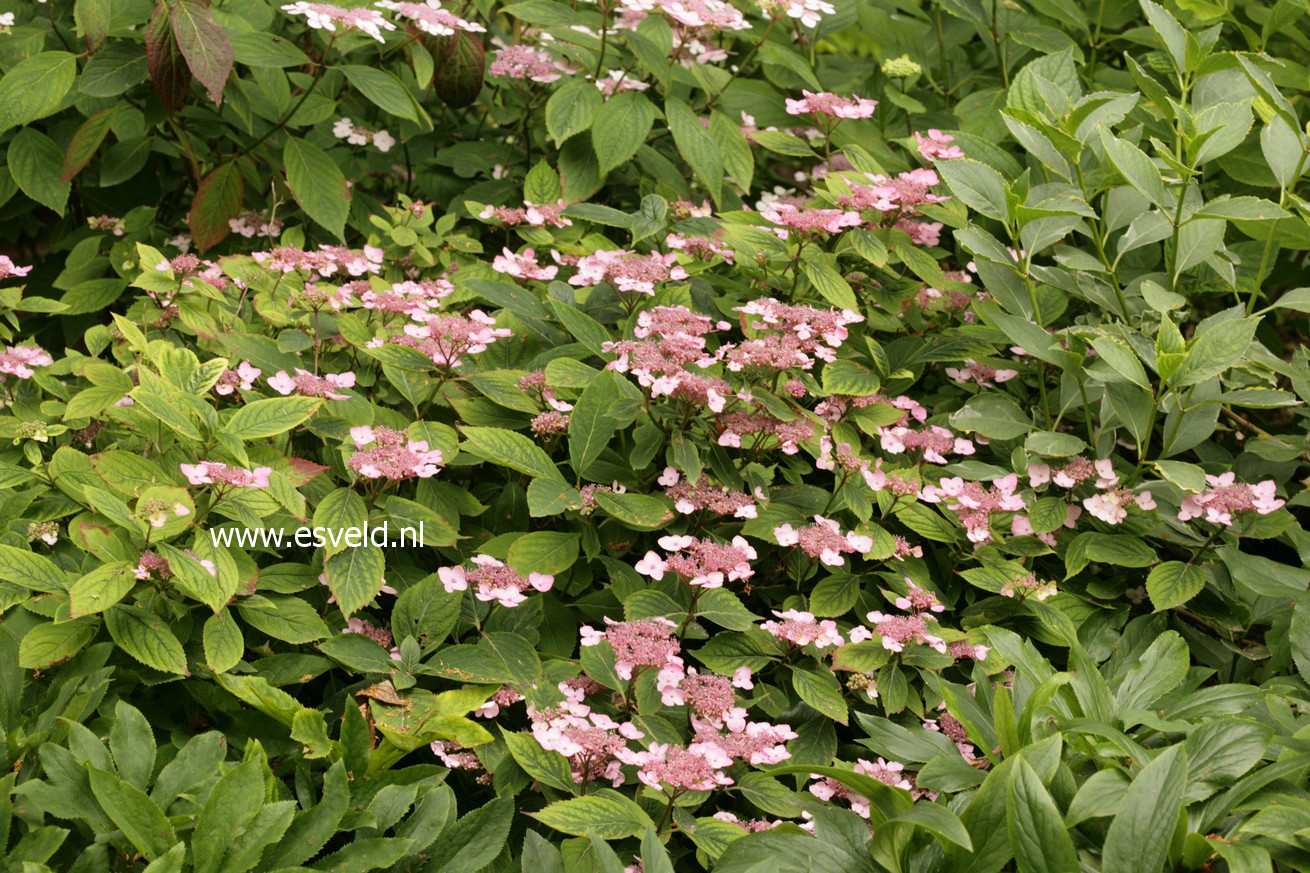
[[36, 164], [607, 813], [257, 48], [355, 577], [994, 416], [1038, 836], [85, 143], [571, 109], [136, 815], [977, 186], [1122, 360], [584, 328], [1210, 353], [100, 589], [835, 595], [1139, 836], [1173, 583], [113, 69], [548, 768], [1171, 33], [47, 643], [30, 570], [317, 183], [475, 840], [35, 87], [828, 282], [1298, 636], [820, 689], [695, 146], [146, 637], [545, 551], [509, 449], [548, 497], [621, 126], [359, 653], [640, 511], [783, 143], [383, 90], [233, 803], [1120, 550], [270, 417], [289, 619], [1158, 671], [599, 413], [1141, 173], [132, 742], [426, 612], [223, 642]]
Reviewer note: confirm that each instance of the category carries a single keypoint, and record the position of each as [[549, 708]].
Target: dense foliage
[[847, 435]]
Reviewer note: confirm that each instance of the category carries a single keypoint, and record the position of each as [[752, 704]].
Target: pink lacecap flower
[[974, 504], [523, 266], [1226, 496], [832, 105], [392, 455], [216, 473], [824, 540], [429, 17], [243, 377], [20, 360], [9, 268], [936, 146], [802, 629], [307, 384], [494, 581]]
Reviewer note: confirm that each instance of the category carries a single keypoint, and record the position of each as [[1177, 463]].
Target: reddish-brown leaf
[[217, 201], [85, 143], [460, 68], [204, 44], [168, 69]]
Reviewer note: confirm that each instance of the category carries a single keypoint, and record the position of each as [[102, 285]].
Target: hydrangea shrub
[[849, 435]]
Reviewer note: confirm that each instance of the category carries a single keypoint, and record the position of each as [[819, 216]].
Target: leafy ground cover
[[852, 436]]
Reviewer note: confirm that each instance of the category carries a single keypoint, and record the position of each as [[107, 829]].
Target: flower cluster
[[357, 135], [325, 16], [627, 270], [831, 105], [701, 562], [430, 18], [638, 645], [445, 339], [526, 62], [322, 262], [390, 454], [241, 377], [703, 496], [824, 540], [20, 360], [494, 581], [803, 629], [531, 214], [934, 443], [975, 504], [887, 772], [8, 268], [306, 384], [217, 473], [1227, 496]]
